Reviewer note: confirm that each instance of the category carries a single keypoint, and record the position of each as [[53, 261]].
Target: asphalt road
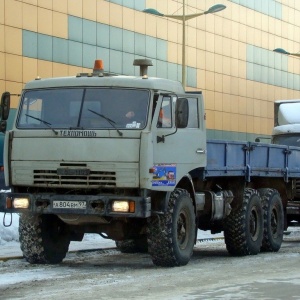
[[109, 274]]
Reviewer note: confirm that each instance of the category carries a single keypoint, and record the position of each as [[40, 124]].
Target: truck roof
[[288, 101], [144, 82], [286, 112]]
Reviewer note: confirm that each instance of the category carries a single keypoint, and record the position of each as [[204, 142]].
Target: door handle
[[200, 151]]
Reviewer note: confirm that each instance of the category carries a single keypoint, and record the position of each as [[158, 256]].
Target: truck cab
[[108, 131]]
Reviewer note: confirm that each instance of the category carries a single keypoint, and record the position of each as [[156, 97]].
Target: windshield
[[84, 108], [292, 139]]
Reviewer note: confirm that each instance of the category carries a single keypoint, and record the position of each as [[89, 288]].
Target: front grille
[[94, 179]]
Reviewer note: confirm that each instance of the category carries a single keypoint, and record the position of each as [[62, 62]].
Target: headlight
[[123, 206], [21, 203]]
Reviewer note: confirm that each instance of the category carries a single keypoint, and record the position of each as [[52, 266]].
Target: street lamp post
[[282, 51], [184, 18]]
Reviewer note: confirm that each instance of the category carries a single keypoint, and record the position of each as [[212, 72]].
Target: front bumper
[[100, 205]]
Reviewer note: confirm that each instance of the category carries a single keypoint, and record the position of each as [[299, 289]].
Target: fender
[[160, 199], [186, 183]]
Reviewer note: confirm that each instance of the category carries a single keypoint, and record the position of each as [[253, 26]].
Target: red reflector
[[151, 170], [131, 206], [8, 202]]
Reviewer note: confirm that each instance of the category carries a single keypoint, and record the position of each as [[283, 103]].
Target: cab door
[[177, 150]]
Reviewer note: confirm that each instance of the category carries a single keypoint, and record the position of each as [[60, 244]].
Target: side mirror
[[182, 113], [5, 105]]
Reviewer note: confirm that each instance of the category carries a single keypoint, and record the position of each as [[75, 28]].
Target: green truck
[[127, 157]]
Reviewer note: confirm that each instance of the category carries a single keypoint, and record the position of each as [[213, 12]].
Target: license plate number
[[69, 204]]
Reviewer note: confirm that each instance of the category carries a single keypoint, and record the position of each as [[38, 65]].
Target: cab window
[[165, 113]]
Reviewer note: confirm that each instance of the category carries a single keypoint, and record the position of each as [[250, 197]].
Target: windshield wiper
[[111, 122], [44, 122]]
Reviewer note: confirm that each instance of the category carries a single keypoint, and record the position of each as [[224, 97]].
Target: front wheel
[[44, 239], [243, 228], [171, 236]]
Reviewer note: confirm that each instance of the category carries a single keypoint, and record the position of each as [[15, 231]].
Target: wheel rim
[[274, 222], [253, 224], [182, 230]]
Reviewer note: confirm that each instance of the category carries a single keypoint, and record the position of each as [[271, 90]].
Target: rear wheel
[[171, 236], [44, 239], [243, 228], [273, 220]]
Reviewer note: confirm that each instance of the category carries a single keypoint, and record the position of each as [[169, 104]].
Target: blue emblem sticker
[[164, 175]]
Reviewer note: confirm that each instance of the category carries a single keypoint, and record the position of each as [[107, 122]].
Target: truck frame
[[76, 164]]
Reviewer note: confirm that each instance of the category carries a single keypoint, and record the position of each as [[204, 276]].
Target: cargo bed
[[248, 159]]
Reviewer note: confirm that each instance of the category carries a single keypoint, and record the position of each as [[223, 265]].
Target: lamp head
[[282, 51], [153, 11], [215, 8]]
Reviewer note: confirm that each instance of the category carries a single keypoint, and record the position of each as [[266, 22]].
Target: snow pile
[[9, 234]]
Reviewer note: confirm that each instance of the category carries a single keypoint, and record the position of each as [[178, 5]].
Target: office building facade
[[229, 54]]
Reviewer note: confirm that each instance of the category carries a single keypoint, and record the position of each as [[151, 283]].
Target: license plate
[[69, 204]]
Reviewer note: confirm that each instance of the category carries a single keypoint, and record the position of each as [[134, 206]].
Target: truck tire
[[133, 246], [44, 239], [243, 228], [171, 236], [273, 220]]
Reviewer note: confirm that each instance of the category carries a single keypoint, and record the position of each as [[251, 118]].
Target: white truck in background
[[286, 131]]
